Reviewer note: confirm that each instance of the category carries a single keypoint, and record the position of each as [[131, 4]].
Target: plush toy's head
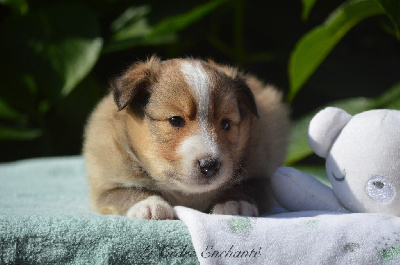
[[362, 157]]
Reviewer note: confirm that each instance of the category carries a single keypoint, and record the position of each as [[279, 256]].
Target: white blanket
[[294, 238]]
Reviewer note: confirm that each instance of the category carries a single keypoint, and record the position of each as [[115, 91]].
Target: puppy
[[184, 132]]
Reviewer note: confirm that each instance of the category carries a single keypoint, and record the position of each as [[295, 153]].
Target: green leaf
[[313, 47], [392, 11], [307, 6], [19, 6], [298, 144], [129, 17], [7, 113], [132, 28], [318, 172], [182, 21], [131, 24], [389, 98], [59, 45], [17, 134]]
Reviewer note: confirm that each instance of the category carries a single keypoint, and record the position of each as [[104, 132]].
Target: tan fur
[[133, 153]]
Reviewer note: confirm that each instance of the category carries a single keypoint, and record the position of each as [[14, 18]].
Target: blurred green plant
[[132, 27], [47, 51], [299, 149], [314, 46], [56, 56], [43, 58]]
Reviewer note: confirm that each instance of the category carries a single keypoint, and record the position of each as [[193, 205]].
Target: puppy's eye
[[225, 124], [177, 121]]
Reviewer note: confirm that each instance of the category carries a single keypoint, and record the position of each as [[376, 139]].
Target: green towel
[[45, 219]]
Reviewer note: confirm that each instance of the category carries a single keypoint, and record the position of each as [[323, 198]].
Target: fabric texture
[[294, 238], [45, 218]]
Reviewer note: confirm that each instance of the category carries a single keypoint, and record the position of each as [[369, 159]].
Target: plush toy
[[362, 155]]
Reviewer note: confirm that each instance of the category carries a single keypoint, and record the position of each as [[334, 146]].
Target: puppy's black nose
[[209, 167]]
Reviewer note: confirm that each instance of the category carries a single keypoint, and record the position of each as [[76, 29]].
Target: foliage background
[[57, 57]]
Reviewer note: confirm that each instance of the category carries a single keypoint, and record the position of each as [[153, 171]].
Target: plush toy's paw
[[298, 191], [236, 208], [154, 207]]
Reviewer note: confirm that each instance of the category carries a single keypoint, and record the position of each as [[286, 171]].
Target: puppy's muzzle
[[209, 167]]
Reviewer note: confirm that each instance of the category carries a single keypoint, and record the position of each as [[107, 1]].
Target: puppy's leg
[[154, 207], [236, 207], [248, 199], [133, 203]]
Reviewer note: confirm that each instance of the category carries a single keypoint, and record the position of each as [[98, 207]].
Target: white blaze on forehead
[[202, 143], [199, 81]]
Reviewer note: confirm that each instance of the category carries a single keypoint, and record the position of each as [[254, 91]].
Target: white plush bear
[[362, 162]]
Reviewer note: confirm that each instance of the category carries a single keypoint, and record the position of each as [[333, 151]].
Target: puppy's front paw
[[154, 207], [236, 208]]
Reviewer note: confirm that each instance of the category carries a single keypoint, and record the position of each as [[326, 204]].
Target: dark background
[[37, 120]]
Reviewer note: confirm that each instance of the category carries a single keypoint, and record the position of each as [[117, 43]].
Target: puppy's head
[[187, 121]]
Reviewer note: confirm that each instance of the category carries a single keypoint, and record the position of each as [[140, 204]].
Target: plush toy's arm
[[298, 191]]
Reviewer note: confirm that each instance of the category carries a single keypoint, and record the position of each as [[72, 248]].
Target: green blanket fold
[[45, 219]]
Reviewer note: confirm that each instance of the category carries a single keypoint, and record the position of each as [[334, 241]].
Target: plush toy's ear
[[325, 127], [137, 78]]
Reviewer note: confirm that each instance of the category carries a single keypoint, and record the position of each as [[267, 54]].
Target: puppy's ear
[[243, 92], [245, 96], [137, 78]]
